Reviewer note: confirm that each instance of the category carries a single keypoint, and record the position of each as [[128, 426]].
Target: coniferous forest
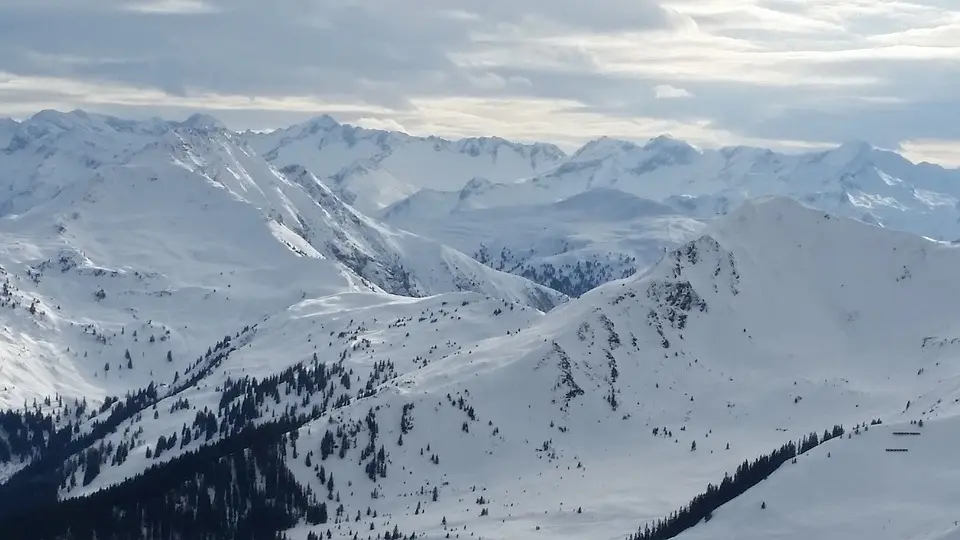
[[239, 488]]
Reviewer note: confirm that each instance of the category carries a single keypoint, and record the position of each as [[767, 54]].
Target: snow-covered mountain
[[371, 169], [460, 192], [137, 239], [623, 203], [855, 180], [572, 245], [465, 415]]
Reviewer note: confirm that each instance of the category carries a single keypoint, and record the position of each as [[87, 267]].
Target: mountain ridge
[[693, 364], [185, 321], [163, 225]]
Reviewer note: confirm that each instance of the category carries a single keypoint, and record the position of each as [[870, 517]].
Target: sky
[[776, 73]]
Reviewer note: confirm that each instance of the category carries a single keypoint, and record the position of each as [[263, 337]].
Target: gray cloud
[[812, 70], [248, 48], [326, 47]]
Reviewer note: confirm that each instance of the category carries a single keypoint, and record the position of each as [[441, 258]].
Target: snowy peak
[[603, 148], [202, 122], [55, 122], [612, 204], [95, 130], [678, 152], [493, 146], [323, 122], [62, 120], [854, 149], [373, 169], [769, 210], [669, 143], [850, 158], [479, 145], [610, 148], [51, 123]]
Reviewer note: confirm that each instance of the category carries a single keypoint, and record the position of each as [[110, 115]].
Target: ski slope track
[[407, 387]]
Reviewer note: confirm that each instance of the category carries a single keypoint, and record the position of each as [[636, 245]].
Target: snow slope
[[182, 233], [729, 334], [359, 329], [362, 242], [855, 488], [778, 321], [372, 169], [572, 245]]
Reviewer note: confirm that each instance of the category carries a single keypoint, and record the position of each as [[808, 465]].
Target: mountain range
[[613, 205], [329, 331]]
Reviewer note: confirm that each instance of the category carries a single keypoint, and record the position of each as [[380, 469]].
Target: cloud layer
[[786, 73]]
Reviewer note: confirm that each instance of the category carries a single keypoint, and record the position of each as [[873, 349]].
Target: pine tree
[[91, 466]]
